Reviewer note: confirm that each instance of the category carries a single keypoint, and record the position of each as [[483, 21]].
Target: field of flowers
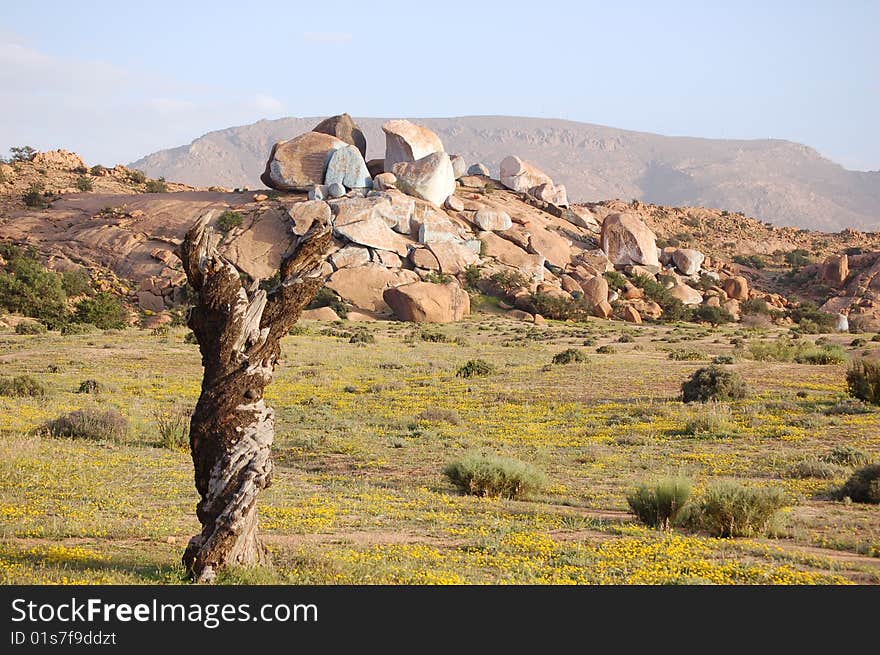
[[364, 431]]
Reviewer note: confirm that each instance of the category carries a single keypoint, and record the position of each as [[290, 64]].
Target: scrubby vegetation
[[104, 310], [569, 356], [326, 297], [475, 368], [657, 505], [863, 381], [713, 383], [90, 423], [864, 485], [493, 476], [229, 220], [731, 509], [22, 386]]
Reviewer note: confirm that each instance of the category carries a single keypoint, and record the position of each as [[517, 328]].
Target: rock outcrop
[[430, 178], [626, 240], [343, 127], [408, 142], [426, 302], [301, 162]]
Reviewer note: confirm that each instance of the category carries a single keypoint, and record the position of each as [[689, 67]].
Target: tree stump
[[238, 327]]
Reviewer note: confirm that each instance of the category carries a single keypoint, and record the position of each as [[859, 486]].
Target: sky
[[114, 81]]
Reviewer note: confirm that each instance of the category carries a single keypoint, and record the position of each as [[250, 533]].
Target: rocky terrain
[[778, 181], [418, 233]]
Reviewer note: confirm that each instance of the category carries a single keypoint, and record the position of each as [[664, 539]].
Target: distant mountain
[[777, 181]]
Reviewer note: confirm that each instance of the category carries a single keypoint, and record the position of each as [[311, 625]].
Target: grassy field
[[364, 432]]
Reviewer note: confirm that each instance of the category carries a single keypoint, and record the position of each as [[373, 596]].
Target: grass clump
[[657, 505], [730, 509], [569, 356], [90, 386], [495, 477], [607, 349], [813, 468], [173, 426], [475, 368], [30, 327], [863, 381], [713, 421], [684, 355], [22, 386], [229, 220], [846, 455], [362, 336], [713, 383], [864, 485], [823, 355], [84, 183], [723, 359], [90, 423]]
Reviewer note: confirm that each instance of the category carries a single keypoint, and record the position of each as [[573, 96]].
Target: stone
[[364, 221], [425, 302], [555, 194], [539, 320], [459, 166], [688, 261], [603, 310], [842, 324], [453, 257], [335, 190], [429, 178], [301, 162], [631, 315], [350, 256], [520, 315], [632, 292], [348, 168], [736, 287], [424, 258], [473, 182], [835, 270], [384, 181], [521, 176], [532, 266], [408, 142], [686, 294], [478, 169], [570, 284], [713, 301], [305, 214], [399, 212], [318, 192], [260, 197], [648, 308], [431, 225], [387, 258], [627, 240], [363, 286], [454, 204], [492, 219], [554, 247], [582, 217], [596, 260], [376, 166], [595, 290], [344, 128], [319, 314], [360, 317], [150, 302]]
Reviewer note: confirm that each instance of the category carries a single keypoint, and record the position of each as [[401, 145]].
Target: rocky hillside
[[778, 181]]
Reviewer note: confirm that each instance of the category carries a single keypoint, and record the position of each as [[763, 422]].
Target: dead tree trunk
[[238, 329]]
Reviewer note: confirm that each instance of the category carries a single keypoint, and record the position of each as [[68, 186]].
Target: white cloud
[[333, 38]]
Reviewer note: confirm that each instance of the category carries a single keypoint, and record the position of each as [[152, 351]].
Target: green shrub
[[229, 220], [714, 315], [69, 329], [729, 509], [673, 308], [813, 468], [104, 311], [475, 368], [864, 485], [22, 386], [863, 381], [616, 281], [560, 308], [327, 297], [35, 196], [90, 423], [157, 186], [713, 383], [28, 288], [684, 355], [798, 257], [607, 349], [97, 169], [84, 183], [433, 336], [625, 338], [569, 356], [472, 276], [76, 282], [22, 153], [780, 350], [362, 335], [658, 505], [173, 425], [752, 261], [828, 354], [494, 477], [30, 327], [754, 307], [136, 176], [715, 421], [723, 359], [90, 386], [507, 283], [812, 320], [846, 455]]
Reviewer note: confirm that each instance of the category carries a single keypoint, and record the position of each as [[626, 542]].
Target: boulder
[[570, 284], [554, 247], [403, 207], [520, 315], [531, 266], [521, 176], [688, 261], [603, 310], [301, 162], [454, 203], [429, 178], [350, 256], [478, 169], [424, 258], [453, 257], [555, 194], [842, 324], [348, 168], [492, 219], [631, 315], [344, 128], [595, 290], [384, 181], [425, 302], [363, 286], [363, 221], [430, 225], [387, 258], [648, 308], [627, 240], [305, 214], [473, 182], [459, 166], [319, 314], [582, 217], [632, 292], [318, 192], [713, 301], [686, 294], [335, 190], [835, 270], [408, 142], [736, 287]]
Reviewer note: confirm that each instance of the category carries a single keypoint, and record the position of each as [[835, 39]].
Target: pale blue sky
[[116, 80]]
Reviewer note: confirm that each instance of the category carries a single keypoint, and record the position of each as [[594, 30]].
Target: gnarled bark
[[238, 329]]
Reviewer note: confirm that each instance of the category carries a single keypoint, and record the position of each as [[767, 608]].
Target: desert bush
[[568, 356], [136, 176], [657, 505], [713, 420], [607, 349], [560, 308], [730, 509], [827, 354], [22, 386], [812, 320], [104, 311], [69, 329], [616, 281], [798, 257], [30, 327], [754, 306], [84, 183], [625, 338], [433, 336], [673, 308], [684, 355], [90, 423], [723, 359], [229, 220], [813, 468], [22, 153], [76, 282], [173, 425], [713, 383], [157, 186], [35, 196], [714, 315], [507, 283], [363, 336], [752, 261], [90, 386], [864, 485], [327, 297], [495, 477], [863, 381], [846, 455], [475, 368], [848, 407], [97, 169]]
